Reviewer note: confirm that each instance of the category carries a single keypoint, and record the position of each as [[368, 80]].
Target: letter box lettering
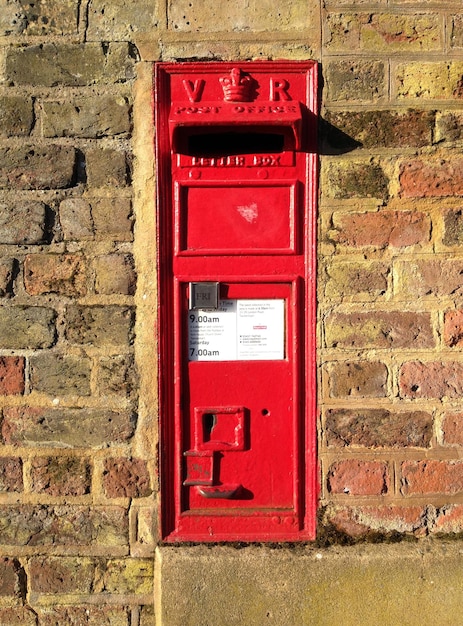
[[236, 208]]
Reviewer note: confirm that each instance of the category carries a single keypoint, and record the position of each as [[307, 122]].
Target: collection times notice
[[249, 330]]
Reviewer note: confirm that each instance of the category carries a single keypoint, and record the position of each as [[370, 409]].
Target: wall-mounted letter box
[[236, 165]]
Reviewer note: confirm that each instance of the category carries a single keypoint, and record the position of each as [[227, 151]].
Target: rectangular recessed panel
[[221, 219]]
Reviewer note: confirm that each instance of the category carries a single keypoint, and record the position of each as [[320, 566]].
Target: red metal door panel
[[236, 161]]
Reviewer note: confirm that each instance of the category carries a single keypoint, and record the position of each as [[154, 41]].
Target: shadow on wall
[[333, 140]]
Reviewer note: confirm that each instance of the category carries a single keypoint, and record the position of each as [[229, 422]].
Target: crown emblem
[[237, 87]]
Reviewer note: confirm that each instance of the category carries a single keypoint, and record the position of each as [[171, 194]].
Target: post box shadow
[[333, 140]]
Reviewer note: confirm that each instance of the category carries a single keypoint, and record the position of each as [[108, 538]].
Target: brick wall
[[78, 482], [390, 268], [76, 485]]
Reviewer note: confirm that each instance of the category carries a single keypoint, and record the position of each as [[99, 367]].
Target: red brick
[[429, 278], [54, 273], [60, 476], [452, 429], [358, 478], [381, 229], [448, 519], [425, 179], [379, 329], [11, 375], [434, 379], [11, 474], [126, 478], [431, 476], [362, 521], [453, 328]]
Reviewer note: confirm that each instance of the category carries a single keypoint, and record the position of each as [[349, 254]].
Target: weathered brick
[[432, 476], [37, 167], [126, 478], [431, 179], [112, 218], [379, 329], [433, 379], [365, 379], [119, 20], [355, 80], [356, 279], [41, 17], [16, 116], [378, 129], [115, 274], [381, 229], [87, 615], [18, 616], [61, 574], [11, 375], [254, 15], [344, 180], [147, 613], [453, 328], [23, 222], [78, 428], [432, 80], [129, 576], [9, 583], [7, 271], [433, 277], [449, 126], [456, 31], [65, 525], [377, 428], [383, 31], [23, 327], [117, 375], [362, 521], [452, 429], [448, 519], [60, 375], [12, 19], [91, 117], [75, 65], [453, 227], [358, 478], [11, 474], [106, 167], [99, 325], [76, 219], [60, 476], [63, 274]]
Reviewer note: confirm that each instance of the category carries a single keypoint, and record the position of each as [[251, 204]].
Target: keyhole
[[209, 421]]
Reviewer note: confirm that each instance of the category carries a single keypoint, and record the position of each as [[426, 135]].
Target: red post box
[[237, 189]]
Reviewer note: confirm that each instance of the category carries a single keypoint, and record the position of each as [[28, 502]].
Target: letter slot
[[236, 218]]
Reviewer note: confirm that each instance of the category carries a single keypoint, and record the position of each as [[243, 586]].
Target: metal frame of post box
[[290, 270]]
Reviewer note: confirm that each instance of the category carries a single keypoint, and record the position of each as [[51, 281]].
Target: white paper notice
[[249, 330]]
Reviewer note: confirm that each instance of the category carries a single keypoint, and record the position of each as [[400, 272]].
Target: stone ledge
[[381, 584]]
